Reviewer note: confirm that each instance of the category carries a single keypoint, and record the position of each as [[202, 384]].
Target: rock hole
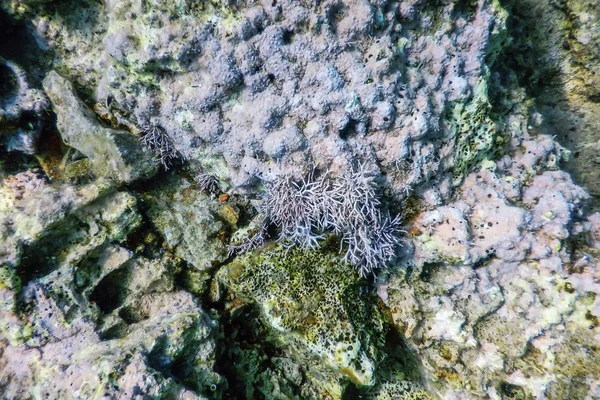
[[112, 290], [349, 131], [288, 36], [9, 85]]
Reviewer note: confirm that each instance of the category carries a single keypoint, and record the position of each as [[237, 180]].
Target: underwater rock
[[21, 109], [82, 316], [247, 91], [113, 153], [562, 73], [192, 222], [169, 354], [317, 309], [498, 297], [47, 227]]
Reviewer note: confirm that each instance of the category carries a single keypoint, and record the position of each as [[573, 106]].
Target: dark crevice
[[520, 59], [350, 130], [541, 45], [244, 339], [180, 366], [9, 84], [131, 314], [510, 391], [335, 15], [114, 332], [15, 162], [44, 255], [428, 270], [400, 361], [19, 45], [111, 291], [484, 261], [88, 270], [156, 357], [288, 36], [145, 241]]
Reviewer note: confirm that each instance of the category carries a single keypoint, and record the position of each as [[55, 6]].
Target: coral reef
[[299, 200], [271, 90], [161, 144]]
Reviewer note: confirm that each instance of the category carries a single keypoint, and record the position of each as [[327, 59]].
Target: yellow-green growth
[[476, 134], [317, 304]]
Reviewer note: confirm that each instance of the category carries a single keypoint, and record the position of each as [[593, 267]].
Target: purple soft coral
[[349, 207]]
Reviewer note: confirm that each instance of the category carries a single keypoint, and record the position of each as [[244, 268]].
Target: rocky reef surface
[[299, 200]]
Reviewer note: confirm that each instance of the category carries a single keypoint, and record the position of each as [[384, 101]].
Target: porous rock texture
[[500, 301], [276, 88], [115, 279]]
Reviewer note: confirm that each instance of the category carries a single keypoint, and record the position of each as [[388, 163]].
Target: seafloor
[[310, 199]]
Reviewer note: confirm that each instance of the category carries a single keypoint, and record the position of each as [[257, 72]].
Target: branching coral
[[302, 211], [157, 140], [208, 182], [249, 243], [296, 209]]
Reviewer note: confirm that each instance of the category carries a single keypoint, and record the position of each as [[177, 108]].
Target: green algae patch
[[499, 35], [315, 305], [477, 135]]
